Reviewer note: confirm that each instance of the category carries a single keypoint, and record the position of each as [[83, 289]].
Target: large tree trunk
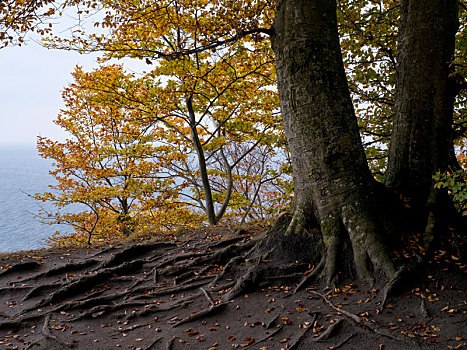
[[421, 139], [333, 184]]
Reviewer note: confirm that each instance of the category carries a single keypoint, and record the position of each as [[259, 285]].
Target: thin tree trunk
[[209, 203], [228, 193]]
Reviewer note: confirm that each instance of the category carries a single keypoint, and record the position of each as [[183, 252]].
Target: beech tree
[[333, 184], [17, 19], [135, 151], [107, 169], [342, 217]]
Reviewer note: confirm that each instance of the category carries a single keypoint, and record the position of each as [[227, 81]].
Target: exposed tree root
[[272, 321], [266, 337], [63, 269], [232, 264], [136, 326], [47, 334], [225, 254], [206, 294], [41, 289], [313, 274], [104, 251], [94, 312], [344, 341], [201, 281], [86, 282], [227, 242], [157, 340], [423, 310], [170, 344], [180, 304], [7, 290], [138, 282], [250, 278], [393, 284], [131, 252], [21, 268], [359, 320], [297, 341], [203, 313]]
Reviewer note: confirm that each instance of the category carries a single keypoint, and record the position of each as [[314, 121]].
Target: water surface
[[22, 172]]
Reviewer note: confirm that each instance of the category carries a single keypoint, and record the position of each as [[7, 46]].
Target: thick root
[[298, 223], [367, 246], [330, 230]]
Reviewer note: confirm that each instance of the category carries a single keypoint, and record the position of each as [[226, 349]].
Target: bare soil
[[172, 295]]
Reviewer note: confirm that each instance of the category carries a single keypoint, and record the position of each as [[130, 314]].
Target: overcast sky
[[32, 79], [30, 93]]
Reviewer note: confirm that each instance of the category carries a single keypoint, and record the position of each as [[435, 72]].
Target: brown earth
[[172, 295]]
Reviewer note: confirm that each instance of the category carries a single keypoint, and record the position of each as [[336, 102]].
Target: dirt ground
[[172, 295]]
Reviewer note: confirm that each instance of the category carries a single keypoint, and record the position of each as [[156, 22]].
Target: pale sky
[[30, 93], [32, 79]]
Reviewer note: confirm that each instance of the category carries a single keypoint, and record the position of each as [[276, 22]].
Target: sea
[[23, 172]]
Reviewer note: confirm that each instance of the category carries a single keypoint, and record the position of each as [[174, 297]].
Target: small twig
[[194, 317], [328, 332], [357, 319], [348, 314], [133, 327], [206, 294]]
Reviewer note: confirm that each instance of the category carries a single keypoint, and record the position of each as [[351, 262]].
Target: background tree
[[109, 165], [17, 18], [368, 37], [207, 111], [143, 135]]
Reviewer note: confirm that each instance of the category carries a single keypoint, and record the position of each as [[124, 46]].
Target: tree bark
[[333, 184], [422, 137], [209, 202]]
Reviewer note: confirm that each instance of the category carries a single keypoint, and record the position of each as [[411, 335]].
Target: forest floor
[[171, 294]]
